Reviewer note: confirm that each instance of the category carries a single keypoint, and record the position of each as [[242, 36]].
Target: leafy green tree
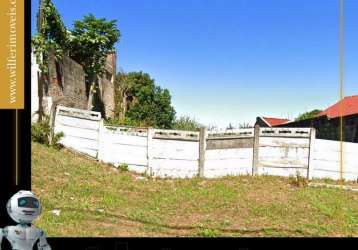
[[92, 40], [146, 104], [308, 115], [122, 96], [186, 123]]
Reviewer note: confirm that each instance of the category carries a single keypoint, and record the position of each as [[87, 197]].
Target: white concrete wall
[[223, 162], [34, 88], [284, 151], [326, 160], [119, 145], [283, 156], [169, 153], [174, 158], [80, 134]]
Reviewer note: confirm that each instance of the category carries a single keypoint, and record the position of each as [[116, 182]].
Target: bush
[[186, 123], [123, 167], [298, 180], [41, 133]]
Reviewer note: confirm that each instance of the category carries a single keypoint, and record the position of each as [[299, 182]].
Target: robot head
[[23, 207]]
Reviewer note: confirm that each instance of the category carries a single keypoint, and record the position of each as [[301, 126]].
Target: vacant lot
[[97, 200]]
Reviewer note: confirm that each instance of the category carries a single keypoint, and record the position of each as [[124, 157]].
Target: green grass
[[96, 200]]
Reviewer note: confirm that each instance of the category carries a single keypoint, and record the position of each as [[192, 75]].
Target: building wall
[[329, 129], [261, 123], [67, 84], [107, 85]]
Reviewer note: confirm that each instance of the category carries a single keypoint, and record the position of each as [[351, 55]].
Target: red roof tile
[[274, 121], [349, 107]]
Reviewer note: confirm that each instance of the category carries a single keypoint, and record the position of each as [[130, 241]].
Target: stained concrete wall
[[67, 83], [171, 153], [124, 145], [34, 88], [107, 85], [80, 128], [326, 158], [229, 152], [74, 84]]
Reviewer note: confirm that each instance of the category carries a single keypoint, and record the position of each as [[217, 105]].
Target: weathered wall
[[74, 84], [326, 160], [34, 88], [329, 129], [81, 129], [283, 152], [124, 145], [67, 83], [171, 153], [229, 153], [107, 85]]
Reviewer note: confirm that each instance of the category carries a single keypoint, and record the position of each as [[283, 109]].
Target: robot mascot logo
[[24, 207]]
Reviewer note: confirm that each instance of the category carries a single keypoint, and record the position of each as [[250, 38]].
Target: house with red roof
[[327, 122], [270, 121], [346, 107]]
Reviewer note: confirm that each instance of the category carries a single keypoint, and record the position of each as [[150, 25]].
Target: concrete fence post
[[310, 168], [52, 121], [150, 135], [202, 149], [255, 159], [100, 141]]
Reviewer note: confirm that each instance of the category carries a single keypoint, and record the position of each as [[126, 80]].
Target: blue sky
[[228, 61]]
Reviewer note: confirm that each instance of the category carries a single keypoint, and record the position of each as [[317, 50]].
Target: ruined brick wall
[[74, 84], [107, 85], [67, 84]]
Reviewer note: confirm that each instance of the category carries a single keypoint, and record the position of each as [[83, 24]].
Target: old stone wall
[[67, 84], [107, 85]]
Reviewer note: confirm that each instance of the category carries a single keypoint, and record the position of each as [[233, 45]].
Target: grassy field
[[97, 200]]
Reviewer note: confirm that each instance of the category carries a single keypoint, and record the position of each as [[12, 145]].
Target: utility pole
[[341, 81]]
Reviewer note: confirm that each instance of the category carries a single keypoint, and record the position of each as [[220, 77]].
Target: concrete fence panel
[[283, 152], [211, 154], [174, 153], [120, 145], [80, 128], [229, 153], [327, 158]]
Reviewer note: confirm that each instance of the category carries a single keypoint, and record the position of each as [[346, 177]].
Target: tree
[[230, 127], [143, 103], [308, 115], [92, 40], [245, 125], [186, 123], [89, 43], [122, 96], [51, 34]]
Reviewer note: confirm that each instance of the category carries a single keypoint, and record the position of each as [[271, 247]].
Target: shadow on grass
[[188, 227]]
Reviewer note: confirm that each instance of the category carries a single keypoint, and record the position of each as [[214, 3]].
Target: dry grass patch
[[96, 200]]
